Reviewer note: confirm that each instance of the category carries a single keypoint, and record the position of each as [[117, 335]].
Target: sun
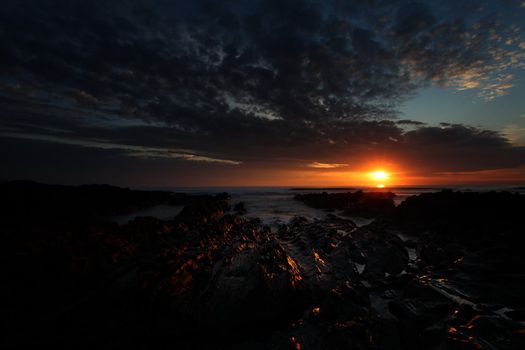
[[380, 175]]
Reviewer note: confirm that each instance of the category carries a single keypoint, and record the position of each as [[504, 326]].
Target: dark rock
[[81, 281], [240, 208], [483, 332], [359, 203], [56, 204], [464, 215], [205, 208], [384, 252], [254, 286]]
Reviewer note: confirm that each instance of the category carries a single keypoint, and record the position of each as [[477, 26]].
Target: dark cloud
[[459, 148], [303, 82], [409, 122]]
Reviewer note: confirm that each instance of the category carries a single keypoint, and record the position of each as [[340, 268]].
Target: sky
[[262, 92]]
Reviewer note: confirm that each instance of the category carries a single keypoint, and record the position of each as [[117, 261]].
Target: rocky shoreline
[[440, 271]]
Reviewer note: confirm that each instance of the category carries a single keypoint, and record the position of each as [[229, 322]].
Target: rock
[[240, 208], [321, 284], [359, 203], [204, 208], [255, 285], [483, 332], [468, 216], [384, 252], [437, 254]]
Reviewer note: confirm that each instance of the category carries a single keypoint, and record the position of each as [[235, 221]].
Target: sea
[[276, 205]]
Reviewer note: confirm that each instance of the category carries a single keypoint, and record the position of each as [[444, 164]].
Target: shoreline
[[439, 268]]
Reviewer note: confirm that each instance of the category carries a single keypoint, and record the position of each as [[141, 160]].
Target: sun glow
[[380, 175]]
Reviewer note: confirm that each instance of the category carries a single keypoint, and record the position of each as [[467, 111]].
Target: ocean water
[[276, 205]]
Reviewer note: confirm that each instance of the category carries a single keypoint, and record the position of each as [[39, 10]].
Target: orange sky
[[307, 177]]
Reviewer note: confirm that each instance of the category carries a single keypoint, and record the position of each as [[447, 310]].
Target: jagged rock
[[484, 332], [240, 208], [255, 285], [359, 203], [384, 252], [468, 216], [204, 208], [321, 284]]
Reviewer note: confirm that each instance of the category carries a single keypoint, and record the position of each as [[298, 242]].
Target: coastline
[[438, 268]]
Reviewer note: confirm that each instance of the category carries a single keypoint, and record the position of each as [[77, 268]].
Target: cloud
[[280, 83], [301, 59], [318, 165], [456, 147], [410, 122], [447, 147], [129, 150], [515, 132]]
